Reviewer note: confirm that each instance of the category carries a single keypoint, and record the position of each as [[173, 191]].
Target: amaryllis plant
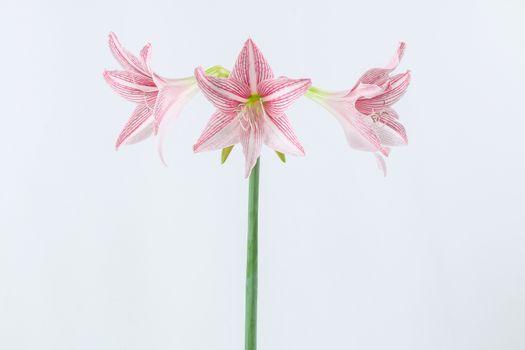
[[250, 107]]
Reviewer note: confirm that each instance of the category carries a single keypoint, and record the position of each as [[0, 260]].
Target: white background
[[111, 250]]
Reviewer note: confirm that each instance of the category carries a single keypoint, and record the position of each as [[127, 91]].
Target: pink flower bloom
[[158, 99], [365, 112], [250, 108]]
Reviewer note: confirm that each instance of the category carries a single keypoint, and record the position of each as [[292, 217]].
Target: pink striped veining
[[250, 108], [365, 112], [158, 99]]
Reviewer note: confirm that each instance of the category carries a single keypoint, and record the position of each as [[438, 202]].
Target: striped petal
[[378, 76], [140, 120], [145, 55], [393, 91], [225, 94], [171, 99], [145, 131], [251, 67], [251, 139], [133, 87], [280, 136], [388, 129], [126, 59], [358, 133], [361, 136], [222, 130], [170, 102], [132, 79], [279, 94], [381, 164]]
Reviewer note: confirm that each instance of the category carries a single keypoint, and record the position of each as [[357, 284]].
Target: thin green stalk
[[251, 265]]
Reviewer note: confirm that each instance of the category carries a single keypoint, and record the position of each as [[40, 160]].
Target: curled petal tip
[[401, 49], [308, 81], [199, 72], [107, 76], [112, 37], [381, 164], [161, 156]]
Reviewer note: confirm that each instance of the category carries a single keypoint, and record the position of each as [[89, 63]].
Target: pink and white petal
[[222, 130], [317, 94], [356, 126], [358, 133], [141, 134], [393, 91], [251, 67], [170, 101], [145, 55], [279, 94], [379, 76], [396, 88], [280, 136], [142, 94], [364, 91], [376, 76], [251, 139], [396, 59], [225, 94], [140, 119], [392, 113], [166, 112], [381, 164], [161, 81], [360, 136], [126, 59], [132, 79], [389, 130]]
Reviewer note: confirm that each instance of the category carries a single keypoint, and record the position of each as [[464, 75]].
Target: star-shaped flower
[[250, 108]]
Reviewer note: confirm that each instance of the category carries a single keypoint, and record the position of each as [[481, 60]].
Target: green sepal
[[281, 156], [225, 153], [218, 72]]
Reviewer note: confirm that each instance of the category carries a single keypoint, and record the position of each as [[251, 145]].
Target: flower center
[[251, 112], [252, 100], [376, 115]]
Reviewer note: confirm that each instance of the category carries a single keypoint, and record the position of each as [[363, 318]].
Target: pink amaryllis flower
[[159, 100], [250, 108], [365, 112]]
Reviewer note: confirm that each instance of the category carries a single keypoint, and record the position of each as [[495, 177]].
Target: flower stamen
[[250, 112]]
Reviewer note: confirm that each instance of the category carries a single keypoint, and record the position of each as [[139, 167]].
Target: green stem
[[251, 265]]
